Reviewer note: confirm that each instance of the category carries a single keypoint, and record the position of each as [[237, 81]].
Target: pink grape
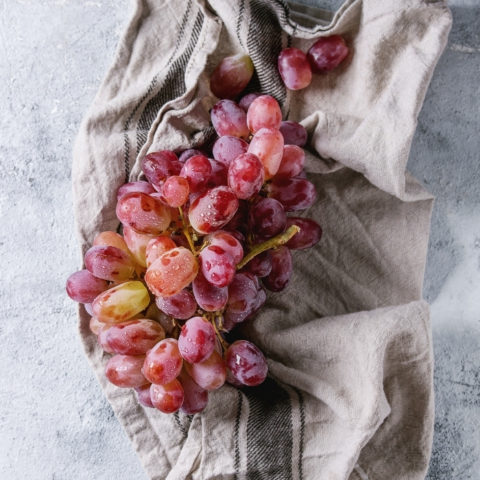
[[168, 398], [231, 76], [219, 174], [96, 326], [294, 68], [197, 170], [293, 161], [217, 265], [229, 119], [134, 337], [261, 265], [267, 145], [209, 374], [171, 272], [121, 303], [247, 100], [293, 133], [83, 287], [293, 193], [242, 296], [212, 210], [209, 297], [143, 395], [229, 243], [88, 308], [137, 244], [143, 187], [143, 213], [163, 362], [111, 239], [157, 166], [247, 363], [109, 263], [327, 53], [182, 305], [246, 175], [281, 272], [267, 218], [196, 398], [228, 148], [186, 154], [125, 371], [309, 234], [175, 190], [197, 340], [156, 247], [264, 112]]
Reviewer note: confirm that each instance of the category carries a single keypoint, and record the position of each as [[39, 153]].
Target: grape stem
[[186, 232], [219, 335], [273, 242]]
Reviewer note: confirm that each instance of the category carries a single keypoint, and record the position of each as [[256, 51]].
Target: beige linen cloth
[[349, 342]]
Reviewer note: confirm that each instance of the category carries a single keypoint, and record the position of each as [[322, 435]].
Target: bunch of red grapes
[[202, 239]]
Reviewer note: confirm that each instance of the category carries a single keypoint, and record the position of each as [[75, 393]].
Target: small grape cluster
[[202, 239]]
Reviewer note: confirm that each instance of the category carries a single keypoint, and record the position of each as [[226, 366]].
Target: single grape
[[143, 213], [196, 398], [247, 363], [158, 166], [261, 265], [242, 297], [212, 210], [327, 53], [231, 76], [264, 112], [109, 263], [182, 305], [121, 303], [154, 313], [309, 234], [175, 190], [229, 119], [219, 174], [168, 398], [88, 308], [96, 326], [209, 297], [228, 148], [267, 218], [293, 133], [228, 242], [197, 340], [247, 100], [186, 154], [143, 395], [281, 272], [143, 187], [125, 371], [292, 193], [171, 272], [246, 175], [293, 161], [163, 362], [83, 287], [209, 374], [156, 247], [217, 265], [267, 145], [197, 170], [111, 239], [134, 337], [259, 301], [137, 244], [294, 68]]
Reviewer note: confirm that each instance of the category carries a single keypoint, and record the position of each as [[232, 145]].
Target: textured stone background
[[54, 421]]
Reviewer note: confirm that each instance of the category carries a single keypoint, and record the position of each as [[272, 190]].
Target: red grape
[[293, 133], [293, 193], [267, 145], [231, 76], [197, 170], [261, 265], [219, 174], [83, 287], [163, 362], [229, 119], [125, 371], [156, 247], [196, 398], [143, 187], [217, 265], [294, 69], [143, 395], [209, 374], [281, 272], [247, 100], [327, 53], [267, 218], [157, 166], [228, 148], [293, 161], [242, 297], [175, 190], [229, 243], [109, 263], [246, 363], [309, 234], [246, 175], [182, 305], [197, 340], [167, 398], [209, 297], [212, 210], [264, 112]]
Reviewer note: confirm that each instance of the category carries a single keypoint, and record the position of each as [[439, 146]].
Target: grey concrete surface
[[54, 421]]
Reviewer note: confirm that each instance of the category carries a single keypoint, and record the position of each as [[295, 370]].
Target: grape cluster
[[202, 239], [324, 55]]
